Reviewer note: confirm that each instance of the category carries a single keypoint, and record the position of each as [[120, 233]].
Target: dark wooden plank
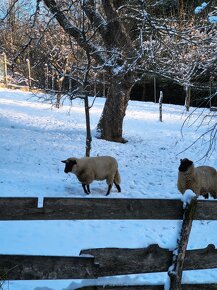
[[101, 209], [199, 287], [18, 208], [133, 287], [175, 273], [105, 262], [151, 287], [206, 210], [20, 203], [201, 259], [115, 261], [110, 208], [22, 267], [90, 208]]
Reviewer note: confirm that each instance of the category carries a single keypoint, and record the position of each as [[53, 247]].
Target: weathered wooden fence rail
[[150, 287], [94, 263], [147, 287], [104, 262], [101, 209]]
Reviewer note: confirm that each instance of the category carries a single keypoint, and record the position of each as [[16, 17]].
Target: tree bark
[[110, 126]]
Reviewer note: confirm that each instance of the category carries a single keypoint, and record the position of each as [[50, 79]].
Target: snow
[[212, 19], [36, 136], [187, 197], [200, 8]]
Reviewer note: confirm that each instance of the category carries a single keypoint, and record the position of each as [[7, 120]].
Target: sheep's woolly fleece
[[202, 180], [35, 137], [89, 169]]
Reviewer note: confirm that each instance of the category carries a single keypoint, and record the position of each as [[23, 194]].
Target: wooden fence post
[[175, 274], [46, 73], [187, 97], [210, 91], [70, 82], [5, 70], [29, 73], [88, 131], [155, 90], [160, 106], [52, 79]]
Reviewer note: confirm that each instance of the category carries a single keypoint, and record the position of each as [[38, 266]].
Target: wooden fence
[[111, 261]]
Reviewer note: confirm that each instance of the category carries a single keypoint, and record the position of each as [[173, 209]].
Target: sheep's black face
[[69, 165], [185, 164]]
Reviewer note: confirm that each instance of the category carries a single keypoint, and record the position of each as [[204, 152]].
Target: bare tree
[[109, 50], [125, 41]]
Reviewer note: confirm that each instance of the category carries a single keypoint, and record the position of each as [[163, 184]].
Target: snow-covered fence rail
[[94, 263], [101, 209]]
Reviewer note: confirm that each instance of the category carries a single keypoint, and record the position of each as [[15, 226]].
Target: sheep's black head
[[185, 164], [69, 163]]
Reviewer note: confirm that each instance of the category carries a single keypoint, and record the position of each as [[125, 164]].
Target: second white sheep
[[202, 180]]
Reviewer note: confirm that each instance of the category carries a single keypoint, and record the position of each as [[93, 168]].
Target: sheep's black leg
[[206, 195], [109, 189], [88, 188], [213, 194], [117, 186], [84, 188]]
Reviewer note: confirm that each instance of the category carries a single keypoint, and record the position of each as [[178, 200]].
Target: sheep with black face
[[88, 169], [202, 180]]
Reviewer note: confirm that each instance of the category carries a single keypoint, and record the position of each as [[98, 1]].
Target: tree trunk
[[110, 126]]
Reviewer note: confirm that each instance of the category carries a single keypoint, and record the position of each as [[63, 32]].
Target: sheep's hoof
[[86, 190]]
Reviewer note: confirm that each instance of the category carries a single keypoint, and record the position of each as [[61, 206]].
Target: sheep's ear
[[180, 160], [64, 161]]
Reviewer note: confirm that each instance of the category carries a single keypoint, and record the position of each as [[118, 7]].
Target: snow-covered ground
[[36, 136]]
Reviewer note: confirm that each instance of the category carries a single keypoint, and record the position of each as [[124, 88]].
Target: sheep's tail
[[117, 178], [117, 181]]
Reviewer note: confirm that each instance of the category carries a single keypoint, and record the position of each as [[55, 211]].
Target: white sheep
[[202, 180], [88, 169]]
